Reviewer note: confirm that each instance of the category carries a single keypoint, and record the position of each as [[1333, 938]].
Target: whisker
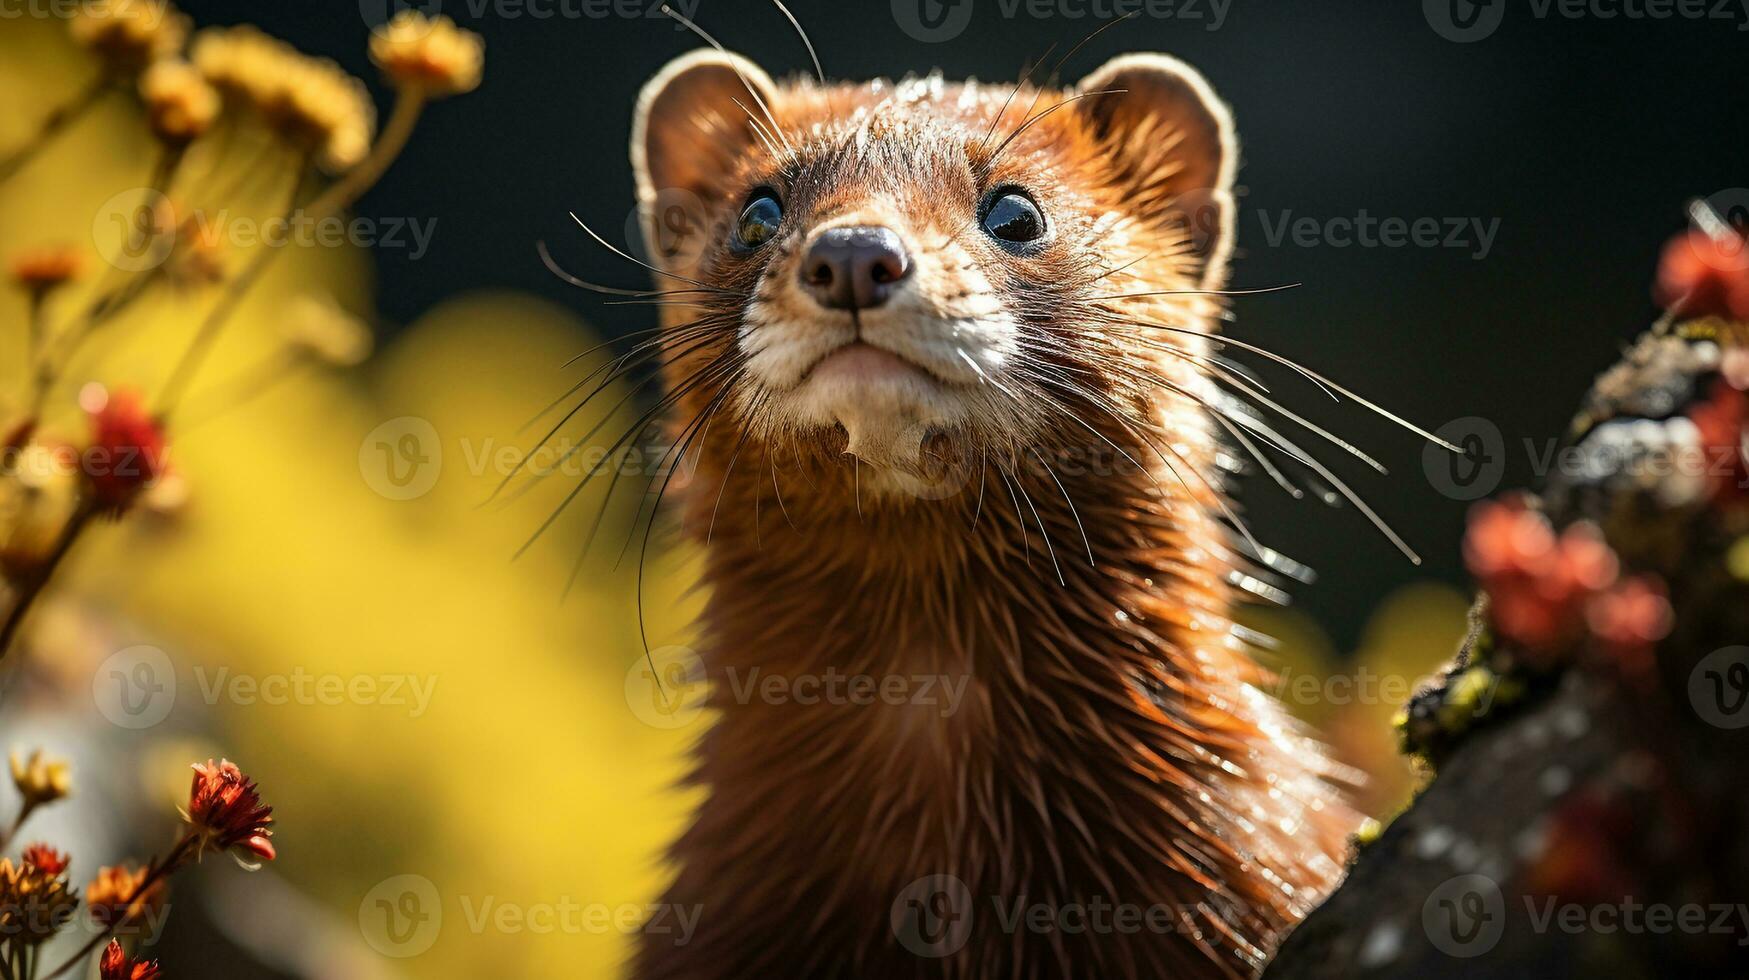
[[983, 473], [1054, 70], [1257, 291], [1041, 116], [700, 377], [819, 72], [753, 410], [1025, 77], [707, 287], [618, 371], [1350, 495], [694, 28], [1019, 515], [778, 492], [678, 451], [1042, 532], [1314, 376], [1263, 461], [553, 266], [1077, 514]]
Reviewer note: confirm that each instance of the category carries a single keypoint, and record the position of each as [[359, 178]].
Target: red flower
[[1537, 583], [1629, 620], [46, 859], [225, 809], [127, 449], [1700, 275], [117, 966], [1720, 420]]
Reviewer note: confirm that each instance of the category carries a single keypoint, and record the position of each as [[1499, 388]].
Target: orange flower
[[127, 450], [116, 966], [35, 902], [225, 809], [115, 897], [42, 269]]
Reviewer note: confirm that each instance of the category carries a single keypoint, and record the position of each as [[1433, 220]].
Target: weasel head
[[922, 274]]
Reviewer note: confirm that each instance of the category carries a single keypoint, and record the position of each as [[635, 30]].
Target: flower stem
[[409, 104], [107, 304], [341, 195], [236, 289], [33, 584], [159, 871], [56, 123], [17, 825]]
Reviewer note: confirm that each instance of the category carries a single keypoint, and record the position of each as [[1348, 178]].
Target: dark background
[[1583, 136]]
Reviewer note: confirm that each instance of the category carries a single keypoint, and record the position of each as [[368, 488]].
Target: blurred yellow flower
[[180, 105], [311, 103], [430, 54], [129, 35], [40, 780]]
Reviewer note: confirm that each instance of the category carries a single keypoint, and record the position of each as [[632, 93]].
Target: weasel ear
[[688, 132], [1171, 149]]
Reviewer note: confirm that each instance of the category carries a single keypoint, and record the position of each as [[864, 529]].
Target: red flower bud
[[127, 446], [225, 809], [116, 966]]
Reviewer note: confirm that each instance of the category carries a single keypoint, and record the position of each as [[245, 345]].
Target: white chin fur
[[888, 418]]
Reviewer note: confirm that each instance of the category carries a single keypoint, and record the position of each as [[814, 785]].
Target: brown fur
[[1112, 746]]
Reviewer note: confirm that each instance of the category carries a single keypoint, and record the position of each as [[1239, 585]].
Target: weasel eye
[[1012, 217], [759, 221]]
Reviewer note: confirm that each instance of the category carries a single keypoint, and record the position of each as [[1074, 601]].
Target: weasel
[[942, 354]]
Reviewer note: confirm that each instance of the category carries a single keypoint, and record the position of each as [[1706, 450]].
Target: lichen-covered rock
[[1588, 808]]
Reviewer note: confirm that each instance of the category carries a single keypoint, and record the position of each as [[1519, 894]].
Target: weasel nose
[[854, 268]]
